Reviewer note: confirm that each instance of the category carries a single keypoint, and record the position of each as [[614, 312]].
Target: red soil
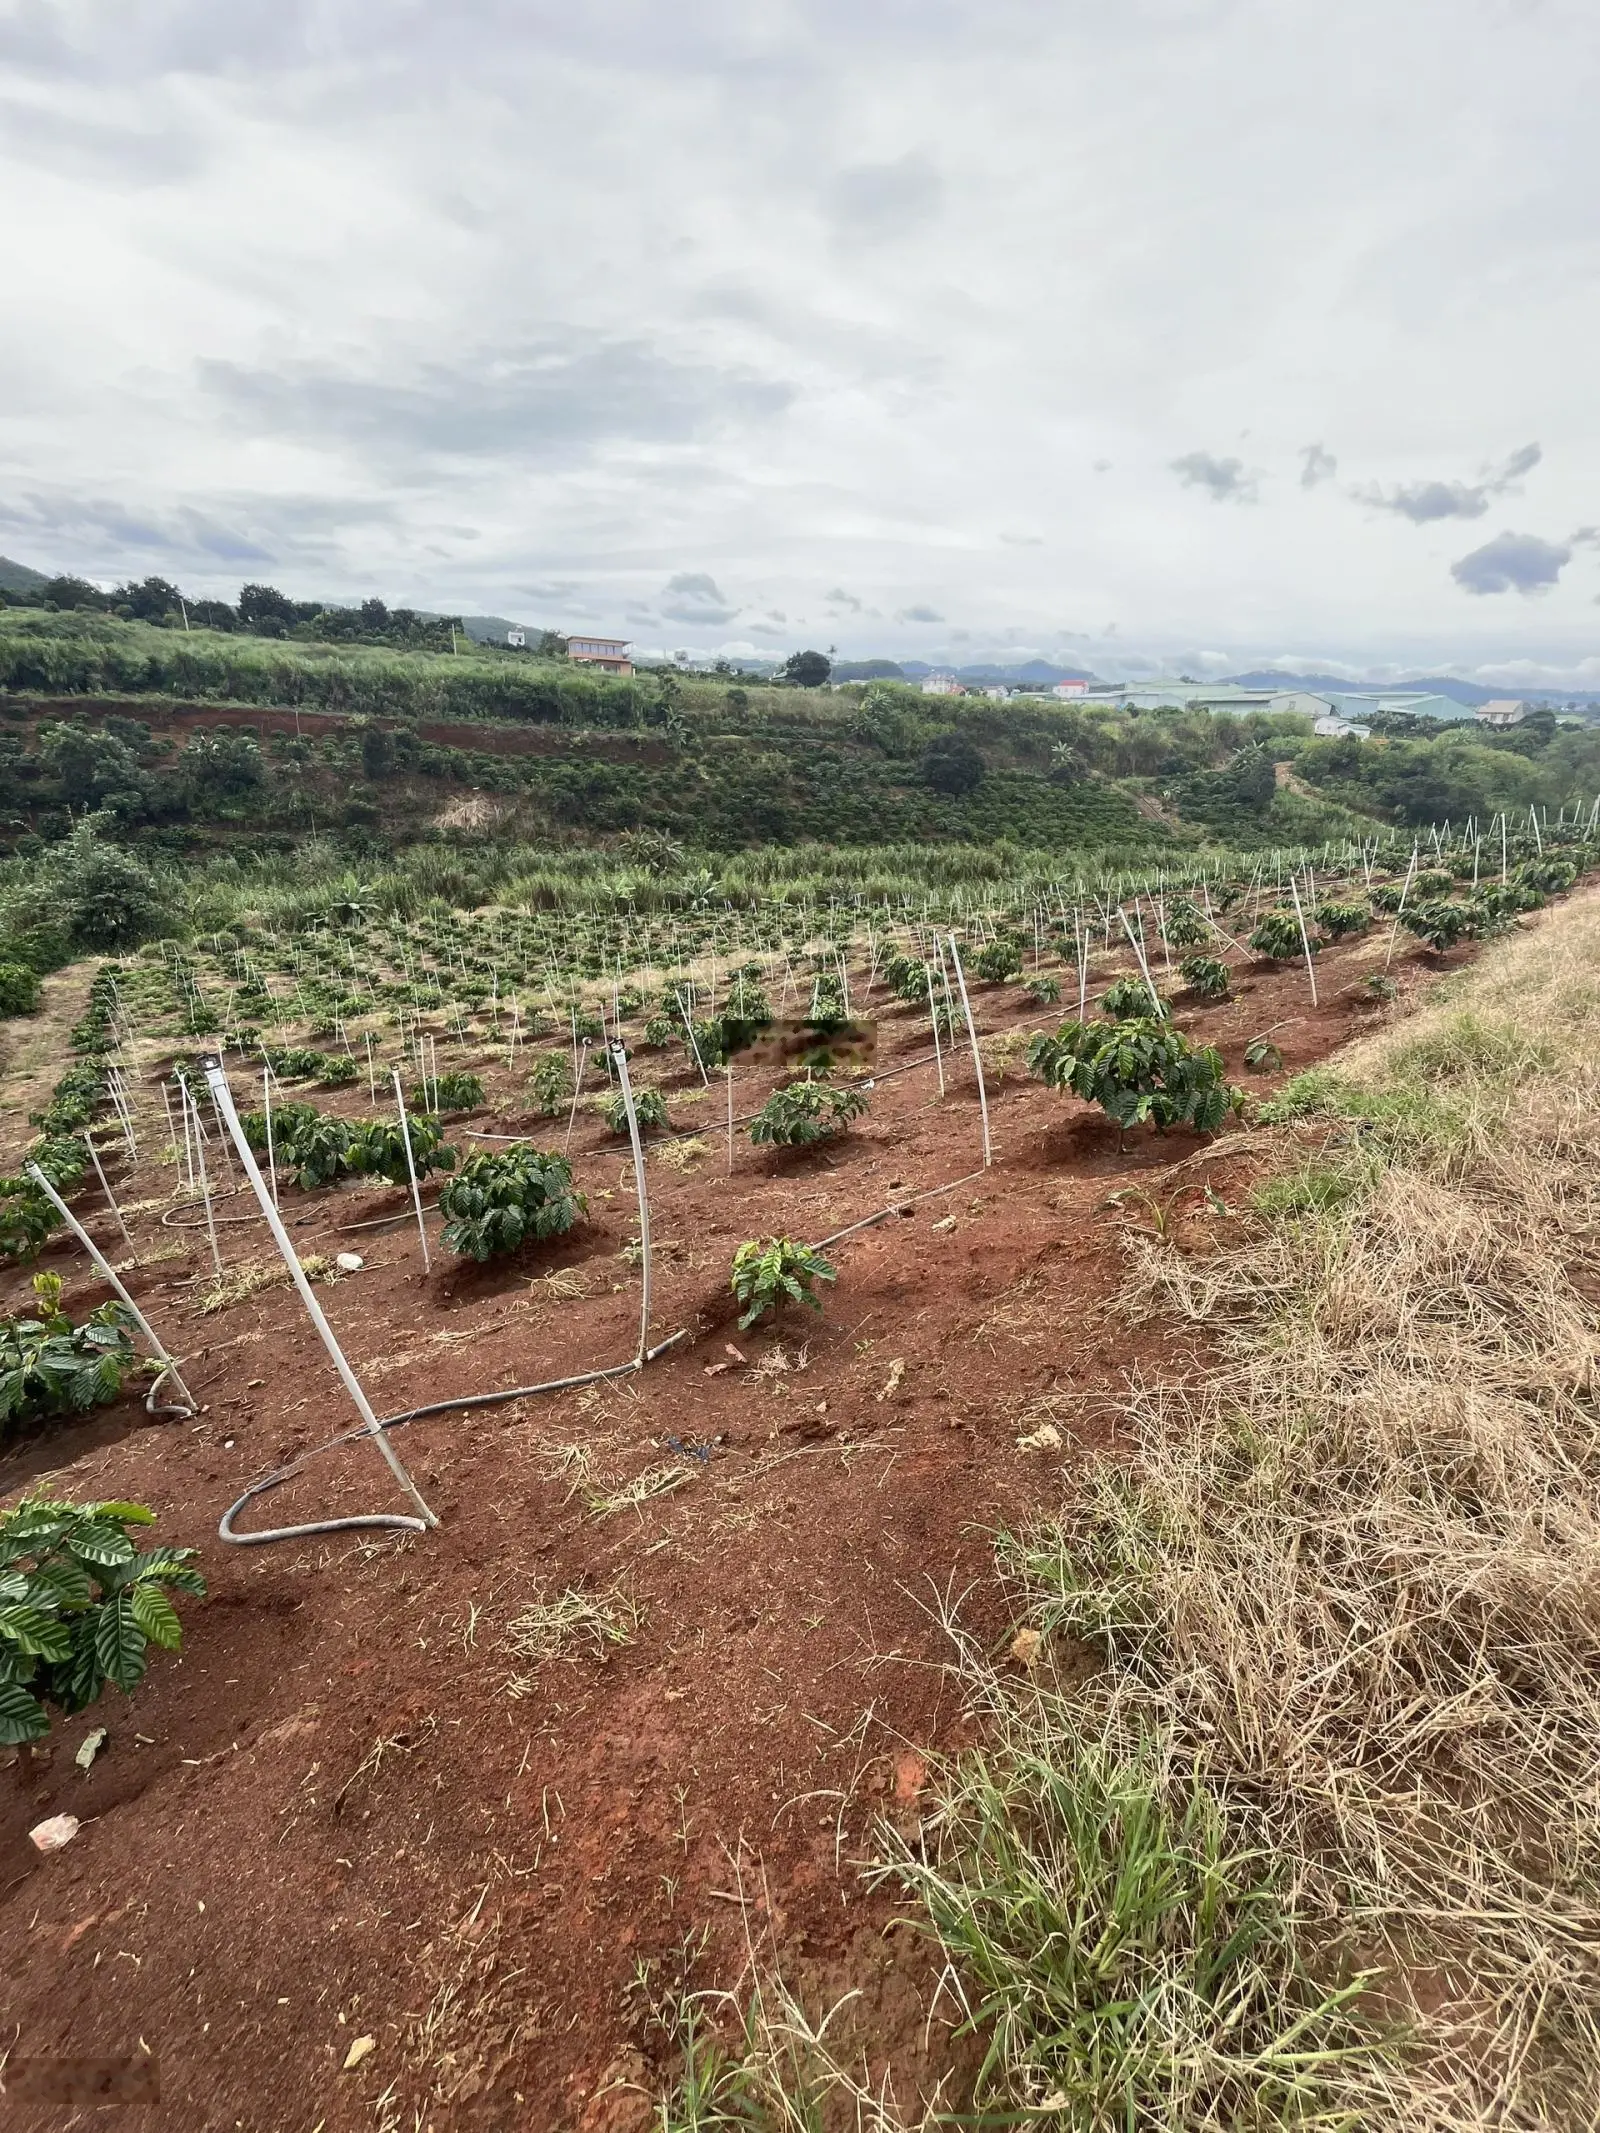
[[330, 1819]]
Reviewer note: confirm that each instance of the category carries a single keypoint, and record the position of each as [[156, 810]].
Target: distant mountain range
[[18, 578]]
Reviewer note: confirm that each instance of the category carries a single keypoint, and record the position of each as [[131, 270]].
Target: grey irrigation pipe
[[169, 1368], [411, 1171], [217, 1082], [977, 1056]]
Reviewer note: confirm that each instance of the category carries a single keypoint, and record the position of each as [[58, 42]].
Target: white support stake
[[977, 1056], [217, 1082], [94, 1157], [205, 1180], [1305, 938], [411, 1170], [619, 1062], [170, 1368]]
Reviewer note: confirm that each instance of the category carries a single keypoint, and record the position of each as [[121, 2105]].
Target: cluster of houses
[[1334, 714]]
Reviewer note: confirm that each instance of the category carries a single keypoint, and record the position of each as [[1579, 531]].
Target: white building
[[1504, 711], [1070, 688], [517, 639], [1330, 727], [941, 684]]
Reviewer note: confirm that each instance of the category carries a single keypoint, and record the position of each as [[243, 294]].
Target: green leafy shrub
[[769, 1274], [378, 1150], [1042, 989], [80, 1606], [452, 1092], [297, 1062], [26, 1220], [306, 1141], [1278, 936], [804, 1112], [550, 1085], [1439, 924], [49, 1366], [1378, 985], [1550, 875], [339, 1071], [650, 1107], [1186, 925], [1136, 1070], [1262, 1056], [19, 989], [907, 978], [1385, 897], [499, 1201], [659, 1031], [999, 959], [1338, 920], [1128, 999], [1432, 881], [1206, 976]]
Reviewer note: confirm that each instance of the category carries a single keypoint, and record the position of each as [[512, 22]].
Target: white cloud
[[491, 305]]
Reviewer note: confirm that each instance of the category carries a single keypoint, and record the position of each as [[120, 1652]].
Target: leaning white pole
[[1305, 939], [94, 1157], [205, 1181], [619, 1061], [217, 1082], [977, 1056], [411, 1168], [105, 1267]]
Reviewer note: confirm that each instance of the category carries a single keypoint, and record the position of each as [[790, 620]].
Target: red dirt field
[[331, 1818]]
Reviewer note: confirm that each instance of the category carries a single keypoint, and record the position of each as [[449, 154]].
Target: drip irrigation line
[[398, 1421]]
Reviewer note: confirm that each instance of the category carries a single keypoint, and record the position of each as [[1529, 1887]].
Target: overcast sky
[[1167, 334]]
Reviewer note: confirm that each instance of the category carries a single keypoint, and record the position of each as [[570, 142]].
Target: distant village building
[[998, 694], [941, 684], [1070, 688], [609, 654], [1330, 727], [517, 639], [1503, 711]]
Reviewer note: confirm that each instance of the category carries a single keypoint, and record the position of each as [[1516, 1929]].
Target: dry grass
[[569, 1625], [1353, 1588]]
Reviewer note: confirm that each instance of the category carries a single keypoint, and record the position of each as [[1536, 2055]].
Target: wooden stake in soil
[[217, 1082]]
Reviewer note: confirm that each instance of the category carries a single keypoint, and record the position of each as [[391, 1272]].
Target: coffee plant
[[1206, 976], [770, 1273], [550, 1085], [450, 1092], [1042, 989], [804, 1112], [79, 1607], [1186, 925], [498, 1202], [1262, 1056], [1000, 959], [1129, 999], [1278, 936], [51, 1367], [378, 1148], [19, 989], [1439, 923], [1338, 920], [1137, 1070], [649, 1106]]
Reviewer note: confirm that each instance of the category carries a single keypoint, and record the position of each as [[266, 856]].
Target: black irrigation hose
[[395, 1520]]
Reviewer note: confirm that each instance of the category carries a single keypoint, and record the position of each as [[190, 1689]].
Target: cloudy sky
[[1175, 333]]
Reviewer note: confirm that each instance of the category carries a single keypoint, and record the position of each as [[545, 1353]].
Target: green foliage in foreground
[[1128, 1964], [804, 1112], [772, 1272], [451, 1092], [79, 1607], [50, 1367], [1137, 1070], [502, 1201]]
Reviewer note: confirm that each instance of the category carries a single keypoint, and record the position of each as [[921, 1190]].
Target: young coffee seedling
[[1377, 985], [806, 1111], [454, 1092], [650, 1108], [1206, 976], [772, 1272], [1262, 1056], [1129, 999], [1186, 925], [377, 1148], [1439, 924], [550, 1085], [49, 1366], [1338, 921], [79, 1606], [498, 1202], [1042, 989], [1000, 959], [1278, 936], [1136, 1070]]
